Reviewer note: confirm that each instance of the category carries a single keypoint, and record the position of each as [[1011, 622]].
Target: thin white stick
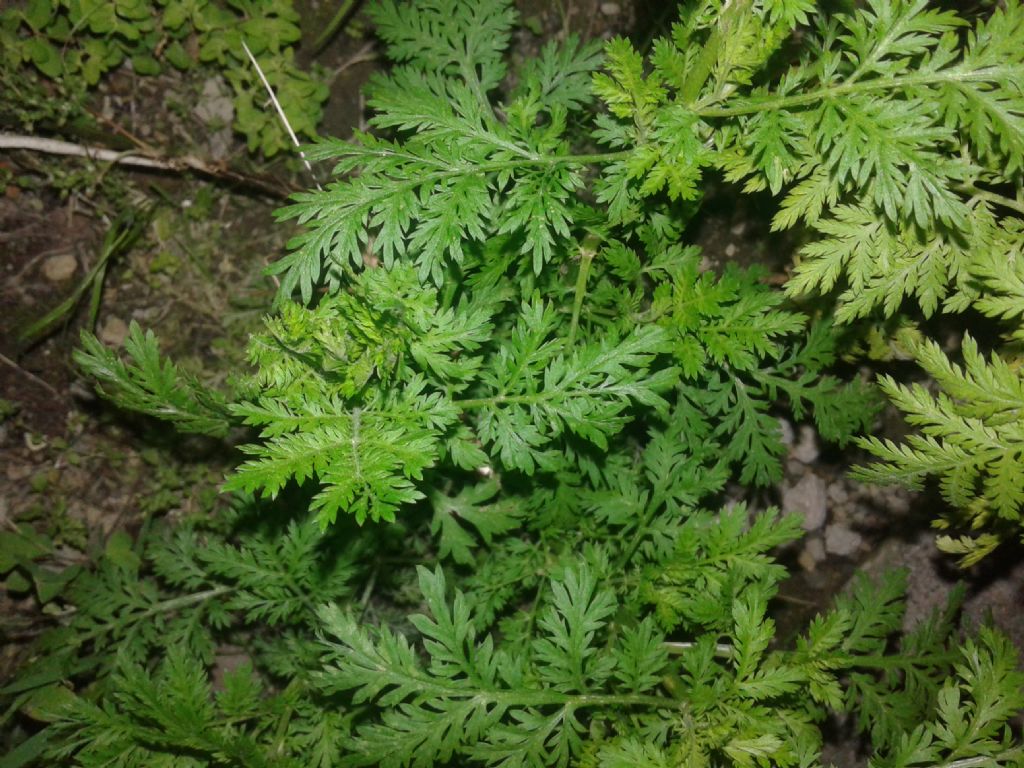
[[101, 154], [55, 147], [280, 112]]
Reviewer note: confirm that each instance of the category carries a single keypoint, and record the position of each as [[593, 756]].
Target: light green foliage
[[972, 435], [968, 720], [971, 431], [75, 43], [890, 116], [438, 191], [519, 365], [898, 136], [735, 345], [715, 560], [151, 384]]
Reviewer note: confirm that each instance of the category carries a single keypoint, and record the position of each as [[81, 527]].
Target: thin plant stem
[[994, 197], [587, 252], [767, 103], [280, 112]]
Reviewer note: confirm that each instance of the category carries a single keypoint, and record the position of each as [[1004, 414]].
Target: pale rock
[[898, 502], [806, 447], [838, 494], [610, 9], [812, 554], [113, 331], [730, 250], [815, 547], [807, 498], [786, 435], [19, 472], [216, 109], [59, 268], [841, 540], [805, 561]]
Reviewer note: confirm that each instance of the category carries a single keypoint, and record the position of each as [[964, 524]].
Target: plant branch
[[164, 606], [979, 761], [280, 112], [699, 73], [768, 103], [7, 361], [993, 197], [588, 250], [268, 186]]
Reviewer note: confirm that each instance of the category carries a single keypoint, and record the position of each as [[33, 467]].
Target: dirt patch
[[44, 247]]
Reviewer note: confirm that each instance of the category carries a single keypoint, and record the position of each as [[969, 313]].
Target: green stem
[[989, 761], [722, 650], [532, 398], [429, 686], [767, 103], [898, 662], [587, 252], [281, 735], [487, 402], [165, 606], [699, 73], [492, 167], [556, 698], [993, 197], [346, 7], [525, 158]]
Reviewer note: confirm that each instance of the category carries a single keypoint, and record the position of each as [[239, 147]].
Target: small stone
[[785, 432], [738, 229], [898, 502], [794, 468], [805, 561], [815, 547], [610, 9], [19, 472], [806, 448], [59, 268], [812, 554], [808, 498], [840, 540], [114, 331], [730, 250], [837, 494], [216, 109], [840, 513]]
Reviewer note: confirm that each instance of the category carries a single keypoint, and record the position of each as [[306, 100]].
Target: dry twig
[[272, 187]]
